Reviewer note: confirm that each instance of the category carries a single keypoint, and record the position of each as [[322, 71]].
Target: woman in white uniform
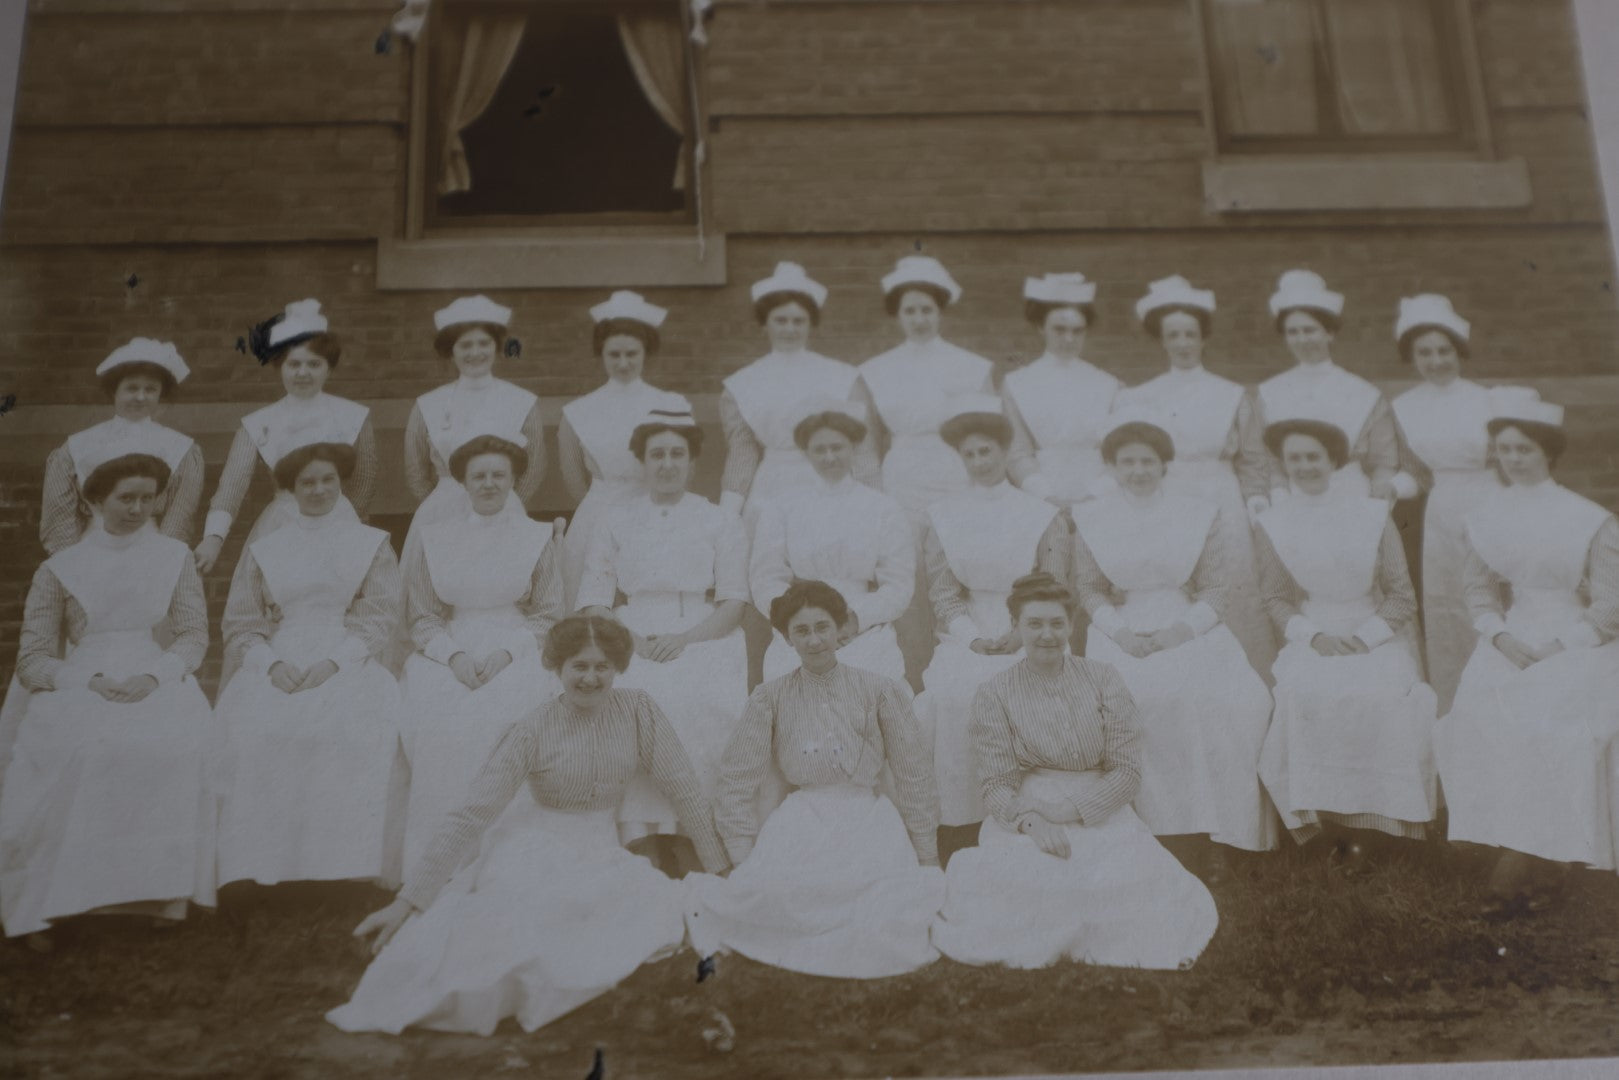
[[1307, 316], [471, 334], [138, 377], [1443, 422], [1151, 569], [104, 805], [315, 779], [976, 544], [1064, 869], [525, 904], [1349, 743], [299, 344], [1219, 449], [905, 393], [762, 403], [1526, 754], [593, 439], [842, 532], [839, 880], [1058, 404], [481, 591], [681, 564]]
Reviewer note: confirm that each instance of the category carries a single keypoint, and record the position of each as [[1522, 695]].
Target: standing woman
[[525, 904], [137, 377], [1058, 404], [1526, 754], [316, 779], [837, 881], [1443, 420], [1349, 744], [1219, 449], [841, 532], [471, 335], [1152, 571], [976, 544], [763, 403], [1307, 316], [905, 392], [481, 592], [668, 552], [593, 440], [104, 806], [299, 344], [1064, 869]]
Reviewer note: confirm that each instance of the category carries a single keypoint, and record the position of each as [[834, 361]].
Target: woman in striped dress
[[1349, 742], [837, 881], [524, 904], [1064, 869], [137, 377], [300, 345]]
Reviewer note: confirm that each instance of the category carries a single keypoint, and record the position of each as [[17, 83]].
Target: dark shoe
[[1351, 859]]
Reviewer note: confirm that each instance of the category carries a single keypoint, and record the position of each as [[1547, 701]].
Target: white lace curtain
[[655, 42]]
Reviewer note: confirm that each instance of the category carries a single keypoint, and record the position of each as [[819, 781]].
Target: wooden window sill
[[1232, 186]]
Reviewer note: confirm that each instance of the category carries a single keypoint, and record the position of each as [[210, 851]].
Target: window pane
[[1264, 59], [569, 131], [1389, 66]]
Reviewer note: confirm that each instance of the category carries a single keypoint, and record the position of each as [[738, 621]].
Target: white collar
[[97, 535], [1142, 503], [1315, 371], [990, 491], [1186, 374], [475, 382], [613, 386], [840, 487], [317, 523]]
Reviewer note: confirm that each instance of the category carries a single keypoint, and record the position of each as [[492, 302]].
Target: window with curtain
[[551, 111], [1295, 76]]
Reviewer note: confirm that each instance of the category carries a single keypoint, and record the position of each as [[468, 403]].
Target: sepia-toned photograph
[[710, 539]]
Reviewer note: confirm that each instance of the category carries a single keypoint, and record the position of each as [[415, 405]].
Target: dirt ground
[[1308, 968]]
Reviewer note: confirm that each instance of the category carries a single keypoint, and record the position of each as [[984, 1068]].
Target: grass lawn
[[1307, 968]]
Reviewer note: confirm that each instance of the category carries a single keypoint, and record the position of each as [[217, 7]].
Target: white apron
[[317, 779], [1350, 734], [773, 394], [105, 804], [991, 537], [1331, 395], [1203, 710], [501, 411], [1065, 405], [1526, 756], [280, 428]]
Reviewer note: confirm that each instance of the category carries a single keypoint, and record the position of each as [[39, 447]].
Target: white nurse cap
[[472, 309], [921, 270], [790, 277], [1429, 309], [144, 350], [301, 320], [625, 304], [1304, 289], [1523, 403], [1173, 291], [1069, 288]]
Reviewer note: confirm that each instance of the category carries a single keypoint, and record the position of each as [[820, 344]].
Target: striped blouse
[[825, 730], [571, 760], [63, 517], [1081, 721], [237, 477]]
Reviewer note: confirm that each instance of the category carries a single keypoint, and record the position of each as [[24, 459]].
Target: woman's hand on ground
[[384, 923]]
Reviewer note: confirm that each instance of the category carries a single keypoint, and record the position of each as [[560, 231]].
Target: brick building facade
[[181, 168]]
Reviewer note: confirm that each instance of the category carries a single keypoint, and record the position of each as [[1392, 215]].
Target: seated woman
[[1349, 741], [1151, 570], [525, 904], [837, 881], [975, 545], [104, 805], [316, 779], [841, 532], [1064, 869], [666, 551], [481, 592], [1526, 752]]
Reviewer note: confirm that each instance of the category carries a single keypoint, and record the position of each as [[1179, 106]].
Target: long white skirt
[[1214, 480], [1204, 713], [874, 649], [1527, 757], [315, 781], [105, 804], [453, 730], [703, 692], [1447, 628], [832, 887], [552, 914], [945, 709], [1351, 735], [1119, 899]]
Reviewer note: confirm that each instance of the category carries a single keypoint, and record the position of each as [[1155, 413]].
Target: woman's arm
[[742, 769], [185, 496], [743, 452], [1484, 591], [909, 755], [1602, 586], [1209, 581], [1055, 555], [233, 485], [1095, 591], [948, 596], [598, 582], [768, 572], [1378, 449], [248, 623], [60, 522], [1279, 593], [457, 837], [571, 457], [1021, 463], [375, 610], [420, 476], [664, 759], [876, 429], [1397, 600], [999, 773], [528, 485], [362, 483], [1414, 476], [1120, 767], [1245, 447], [44, 618], [542, 605], [188, 622], [429, 616], [896, 571]]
